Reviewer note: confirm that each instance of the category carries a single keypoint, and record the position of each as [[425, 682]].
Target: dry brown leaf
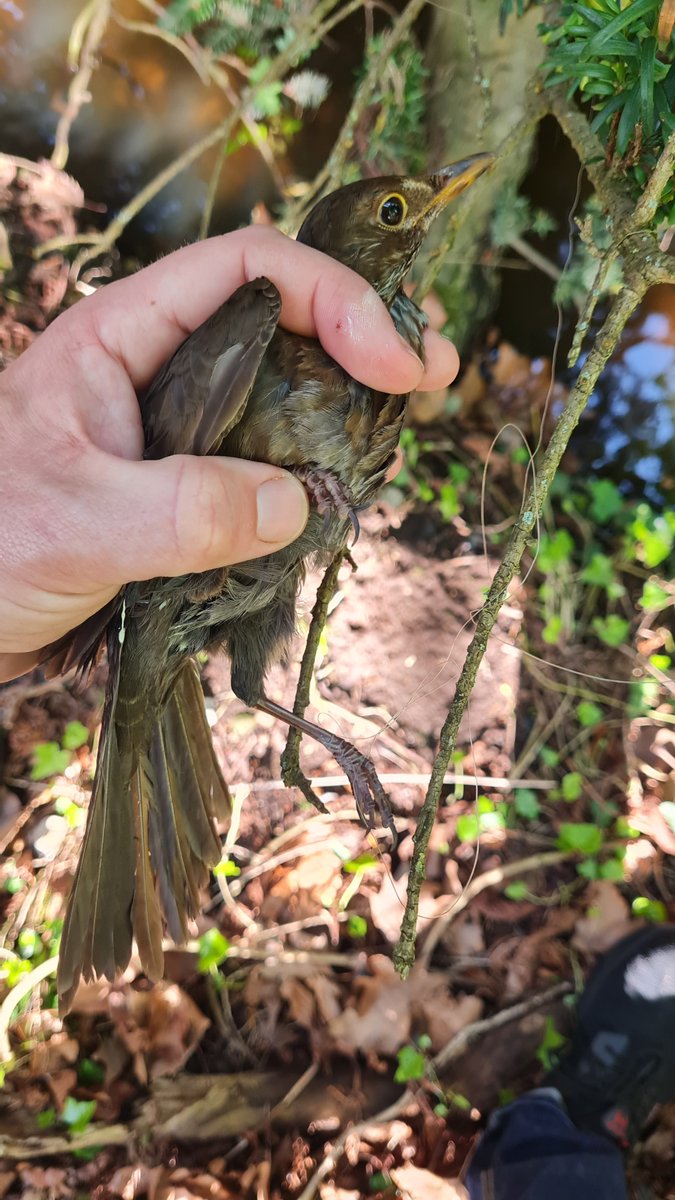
[[318, 876], [607, 919], [160, 1028], [301, 1003], [414, 1183], [380, 1022], [6, 1180], [328, 1191], [327, 994], [61, 1084], [139, 1180], [666, 21], [59, 1051], [39, 1182]]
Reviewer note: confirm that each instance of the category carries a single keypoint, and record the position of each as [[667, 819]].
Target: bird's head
[[376, 226]]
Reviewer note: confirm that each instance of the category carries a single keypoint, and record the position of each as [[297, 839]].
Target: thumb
[[183, 514]]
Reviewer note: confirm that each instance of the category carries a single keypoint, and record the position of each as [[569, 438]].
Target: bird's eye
[[392, 210]]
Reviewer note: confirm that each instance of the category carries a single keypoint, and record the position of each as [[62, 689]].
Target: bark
[[480, 96]]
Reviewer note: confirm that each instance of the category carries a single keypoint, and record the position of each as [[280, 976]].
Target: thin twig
[[16, 994], [94, 17]]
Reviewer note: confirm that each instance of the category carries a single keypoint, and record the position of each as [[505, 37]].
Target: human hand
[[82, 513]]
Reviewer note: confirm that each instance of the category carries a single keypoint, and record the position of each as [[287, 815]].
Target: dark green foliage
[[233, 26], [397, 140], [609, 54]]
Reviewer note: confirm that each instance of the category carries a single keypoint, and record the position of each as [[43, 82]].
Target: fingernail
[[407, 347], [282, 509]]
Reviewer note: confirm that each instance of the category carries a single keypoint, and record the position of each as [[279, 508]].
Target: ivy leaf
[[612, 630], [412, 1064], [74, 735], [572, 785], [48, 759], [213, 948], [77, 1114], [526, 804], [607, 501], [654, 597], [581, 837], [589, 714]]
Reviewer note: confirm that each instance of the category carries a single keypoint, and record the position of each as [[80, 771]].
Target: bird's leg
[[328, 495], [370, 796]]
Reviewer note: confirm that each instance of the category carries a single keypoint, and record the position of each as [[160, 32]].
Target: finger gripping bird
[[243, 387]]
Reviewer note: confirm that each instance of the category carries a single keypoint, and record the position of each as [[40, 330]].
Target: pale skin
[[82, 514]]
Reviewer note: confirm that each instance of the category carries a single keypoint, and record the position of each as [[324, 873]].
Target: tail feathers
[[190, 795], [149, 842]]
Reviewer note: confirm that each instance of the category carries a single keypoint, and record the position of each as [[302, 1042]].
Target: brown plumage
[[238, 386]]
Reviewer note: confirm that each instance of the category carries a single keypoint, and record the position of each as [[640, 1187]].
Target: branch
[[93, 19], [298, 48], [606, 342]]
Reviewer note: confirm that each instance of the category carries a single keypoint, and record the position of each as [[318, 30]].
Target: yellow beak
[[455, 178]]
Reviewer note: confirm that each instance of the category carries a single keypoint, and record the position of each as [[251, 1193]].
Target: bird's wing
[[201, 392]]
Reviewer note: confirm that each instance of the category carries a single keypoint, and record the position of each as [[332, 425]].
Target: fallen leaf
[[415, 1183], [607, 919], [49, 1056], [160, 1028]]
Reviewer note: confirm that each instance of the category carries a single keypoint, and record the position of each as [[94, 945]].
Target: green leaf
[[77, 1114], [629, 16], [654, 597], [648, 50], [572, 786], [485, 819], [555, 549], [589, 714], [518, 890], [213, 948], [552, 631], [412, 1064], [46, 1118], [90, 1073], [600, 572], [589, 868], [354, 865], [448, 501], [29, 943], [613, 869], [552, 1040], [227, 868], [651, 910], [580, 837], [612, 630], [75, 735], [526, 804], [357, 926], [48, 759], [549, 756], [606, 502]]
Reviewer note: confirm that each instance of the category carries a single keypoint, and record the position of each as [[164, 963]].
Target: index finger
[[141, 320]]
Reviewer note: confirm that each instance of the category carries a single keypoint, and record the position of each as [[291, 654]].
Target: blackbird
[[238, 386]]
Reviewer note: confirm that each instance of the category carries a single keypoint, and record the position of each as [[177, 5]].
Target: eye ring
[[392, 211]]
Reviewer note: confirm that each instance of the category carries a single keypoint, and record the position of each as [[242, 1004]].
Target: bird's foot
[[329, 495], [371, 799]]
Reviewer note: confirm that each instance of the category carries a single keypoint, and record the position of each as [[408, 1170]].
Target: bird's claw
[[329, 496], [371, 799]]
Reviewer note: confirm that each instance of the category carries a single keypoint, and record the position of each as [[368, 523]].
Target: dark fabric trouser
[[532, 1151]]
